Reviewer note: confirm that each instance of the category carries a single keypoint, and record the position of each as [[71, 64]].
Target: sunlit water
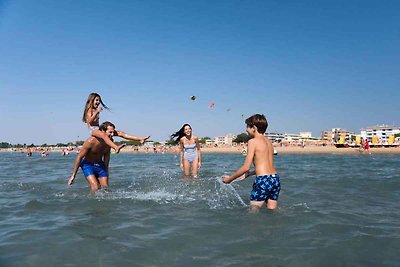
[[334, 210]]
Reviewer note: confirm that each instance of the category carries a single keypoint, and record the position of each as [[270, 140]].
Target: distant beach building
[[224, 140], [275, 137], [306, 135], [148, 144], [303, 136], [379, 132], [292, 137], [210, 142], [337, 134], [326, 135]]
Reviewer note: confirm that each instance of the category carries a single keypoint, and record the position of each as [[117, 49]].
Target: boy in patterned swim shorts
[[260, 151]]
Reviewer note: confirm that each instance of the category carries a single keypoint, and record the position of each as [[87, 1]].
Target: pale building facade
[[224, 140], [382, 132], [336, 134], [275, 137]]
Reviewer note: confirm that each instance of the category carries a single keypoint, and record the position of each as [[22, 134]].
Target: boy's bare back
[[263, 155]]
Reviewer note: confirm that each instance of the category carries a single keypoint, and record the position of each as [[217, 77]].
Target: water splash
[[232, 189]]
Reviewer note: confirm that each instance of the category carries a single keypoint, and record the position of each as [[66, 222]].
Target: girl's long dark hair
[[179, 134], [89, 104]]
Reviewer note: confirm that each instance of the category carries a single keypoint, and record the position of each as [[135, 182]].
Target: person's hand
[[99, 109], [225, 179], [199, 166], [182, 166], [144, 139], [71, 180], [244, 176]]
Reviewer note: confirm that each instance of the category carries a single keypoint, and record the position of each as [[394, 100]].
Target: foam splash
[[168, 187], [232, 189]]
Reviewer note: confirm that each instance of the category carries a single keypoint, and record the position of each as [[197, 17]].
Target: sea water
[[334, 210]]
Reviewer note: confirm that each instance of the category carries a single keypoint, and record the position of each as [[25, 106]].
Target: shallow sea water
[[334, 210]]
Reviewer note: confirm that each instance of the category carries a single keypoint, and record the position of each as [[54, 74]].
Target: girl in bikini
[[190, 154], [91, 116]]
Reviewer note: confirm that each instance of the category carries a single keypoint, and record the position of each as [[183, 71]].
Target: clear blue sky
[[306, 65]]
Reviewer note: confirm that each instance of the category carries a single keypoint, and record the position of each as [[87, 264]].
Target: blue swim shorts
[[96, 169], [266, 187]]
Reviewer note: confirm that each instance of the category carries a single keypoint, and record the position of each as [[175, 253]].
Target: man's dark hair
[[259, 121], [103, 127]]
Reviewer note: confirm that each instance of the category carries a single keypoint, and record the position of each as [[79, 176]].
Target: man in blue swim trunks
[[260, 151], [94, 158]]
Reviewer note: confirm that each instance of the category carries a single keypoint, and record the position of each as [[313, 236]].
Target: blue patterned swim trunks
[[96, 169], [266, 187]]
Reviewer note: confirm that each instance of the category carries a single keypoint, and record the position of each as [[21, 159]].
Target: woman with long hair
[[189, 150]]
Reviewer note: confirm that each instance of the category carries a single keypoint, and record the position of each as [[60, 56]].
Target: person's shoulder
[[88, 143], [91, 141], [257, 140], [266, 139], [252, 143]]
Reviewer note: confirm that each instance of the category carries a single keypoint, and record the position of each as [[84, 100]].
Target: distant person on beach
[[260, 152], [362, 145], [189, 150], [94, 159], [366, 146], [91, 116]]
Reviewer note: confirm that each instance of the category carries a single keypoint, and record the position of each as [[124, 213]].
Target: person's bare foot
[[119, 148]]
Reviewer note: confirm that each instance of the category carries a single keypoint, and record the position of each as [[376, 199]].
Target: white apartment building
[[381, 131], [290, 137], [306, 135], [275, 137], [302, 136], [210, 142], [224, 140], [148, 144]]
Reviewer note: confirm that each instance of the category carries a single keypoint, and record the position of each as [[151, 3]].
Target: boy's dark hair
[[103, 127], [259, 121]]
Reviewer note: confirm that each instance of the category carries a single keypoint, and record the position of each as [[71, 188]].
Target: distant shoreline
[[238, 150], [309, 150]]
